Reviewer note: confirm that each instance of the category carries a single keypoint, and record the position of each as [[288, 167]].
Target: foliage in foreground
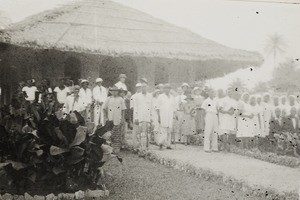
[[44, 149]]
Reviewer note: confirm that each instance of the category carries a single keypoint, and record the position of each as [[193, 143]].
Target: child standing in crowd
[[200, 113], [114, 109], [211, 123], [188, 119]]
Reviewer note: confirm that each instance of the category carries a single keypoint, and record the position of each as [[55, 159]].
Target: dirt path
[[141, 179], [252, 171]]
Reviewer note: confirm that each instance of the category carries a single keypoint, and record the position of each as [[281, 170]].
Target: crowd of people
[[164, 116]]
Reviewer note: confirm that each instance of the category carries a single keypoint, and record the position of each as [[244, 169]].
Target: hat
[[144, 80], [98, 80], [84, 81], [196, 88], [138, 85], [122, 76], [114, 88], [76, 87], [167, 85], [156, 91], [185, 84]]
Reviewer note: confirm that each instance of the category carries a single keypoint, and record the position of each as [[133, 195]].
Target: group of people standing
[[165, 116]]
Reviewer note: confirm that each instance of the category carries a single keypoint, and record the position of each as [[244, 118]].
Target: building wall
[[20, 64]]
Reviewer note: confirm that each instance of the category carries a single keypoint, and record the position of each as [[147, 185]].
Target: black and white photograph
[[149, 99]]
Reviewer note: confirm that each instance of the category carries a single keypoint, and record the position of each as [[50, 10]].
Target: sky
[[237, 24]]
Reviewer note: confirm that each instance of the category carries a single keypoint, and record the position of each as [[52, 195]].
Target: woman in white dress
[[245, 123], [255, 120]]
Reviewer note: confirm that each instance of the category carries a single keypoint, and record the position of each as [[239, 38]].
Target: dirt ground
[[140, 179]]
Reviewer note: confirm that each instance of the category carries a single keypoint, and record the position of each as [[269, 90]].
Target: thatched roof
[[108, 28]]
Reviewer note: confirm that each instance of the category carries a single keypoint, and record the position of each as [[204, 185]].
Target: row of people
[[227, 117]]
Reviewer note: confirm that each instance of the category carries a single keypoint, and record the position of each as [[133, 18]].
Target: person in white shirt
[[29, 91], [156, 129], [61, 92], [142, 109], [185, 87], [99, 97], [211, 123], [73, 102], [180, 99], [121, 84], [165, 111], [267, 114], [138, 88], [87, 97], [227, 122], [245, 123], [200, 113]]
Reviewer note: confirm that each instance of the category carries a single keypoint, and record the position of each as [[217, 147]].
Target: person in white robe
[[165, 111], [227, 121], [211, 123], [99, 96], [138, 88], [121, 83], [200, 113], [142, 109], [86, 95], [180, 99], [266, 118], [267, 114], [156, 128], [73, 102], [255, 121], [245, 124]]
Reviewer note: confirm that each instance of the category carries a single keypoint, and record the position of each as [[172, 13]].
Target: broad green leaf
[[80, 136], [54, 150], [106, 149], [106, 135], [57, 170]]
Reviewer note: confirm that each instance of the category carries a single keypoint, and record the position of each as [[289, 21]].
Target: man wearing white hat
[[85, 94], [99, 96], [121, 84], [138, 87], [142, 109], [165, 111]]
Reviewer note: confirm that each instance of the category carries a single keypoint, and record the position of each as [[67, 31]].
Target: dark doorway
[[161, 75], [111, 67], [72, 69]]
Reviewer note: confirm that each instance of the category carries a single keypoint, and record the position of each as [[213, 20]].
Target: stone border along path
[[80, 195], [253, 176]]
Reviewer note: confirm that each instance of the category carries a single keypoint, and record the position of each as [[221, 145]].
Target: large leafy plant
[[43, 147]]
